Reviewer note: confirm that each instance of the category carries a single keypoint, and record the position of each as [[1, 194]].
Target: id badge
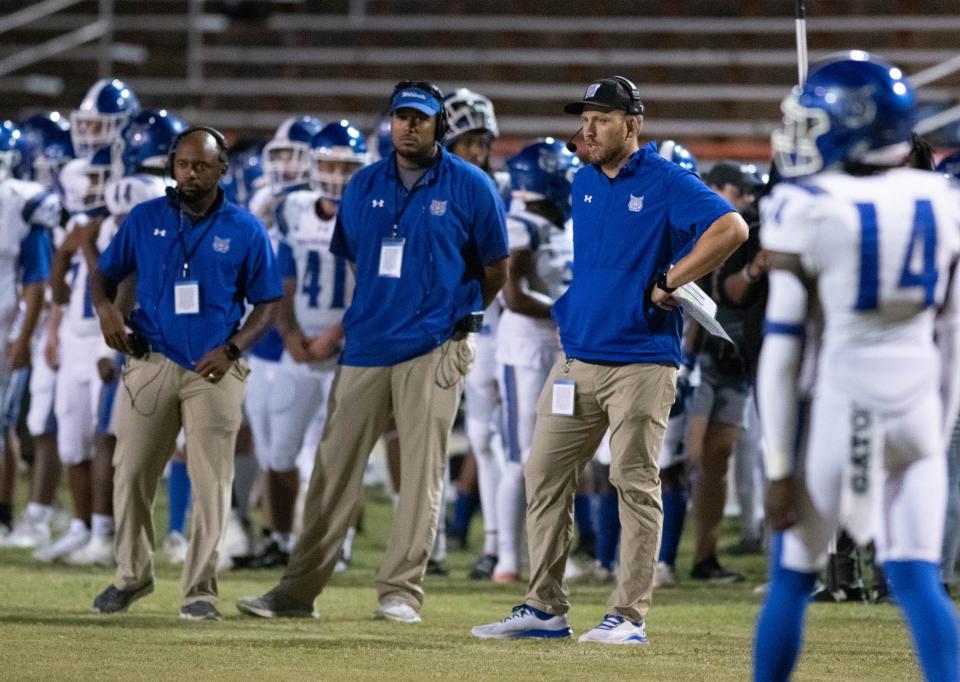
[[186, 297], [391, 257], [563, 397]]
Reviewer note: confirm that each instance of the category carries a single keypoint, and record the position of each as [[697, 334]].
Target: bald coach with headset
[[425, 234], [197, 259], [642, 227]]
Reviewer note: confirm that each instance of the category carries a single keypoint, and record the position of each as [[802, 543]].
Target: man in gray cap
[[643, 226]]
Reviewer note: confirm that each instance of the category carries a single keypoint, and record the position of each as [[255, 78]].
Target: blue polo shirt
[[230, 258], [452, 224], [625, 232]]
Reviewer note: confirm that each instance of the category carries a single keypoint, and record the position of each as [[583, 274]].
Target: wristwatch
[[662, 283], [233, 353]]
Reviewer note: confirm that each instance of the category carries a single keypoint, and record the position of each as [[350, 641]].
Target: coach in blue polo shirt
[[197, 259], [425, 234], [634, 215]]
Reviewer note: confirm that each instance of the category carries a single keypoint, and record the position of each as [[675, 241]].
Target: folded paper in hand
[[700, 307]]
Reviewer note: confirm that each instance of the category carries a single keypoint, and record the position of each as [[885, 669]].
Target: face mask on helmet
[[331, 176], [286, 164], [102, 116]]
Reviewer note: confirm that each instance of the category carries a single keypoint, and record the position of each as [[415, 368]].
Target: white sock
[[347, 551], [102, 525], [39, 513], [509, 516], [285, 540], [489, 471]]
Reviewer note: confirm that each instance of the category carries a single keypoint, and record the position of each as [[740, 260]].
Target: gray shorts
[[721, 401]]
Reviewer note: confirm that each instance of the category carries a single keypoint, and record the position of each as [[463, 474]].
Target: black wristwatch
[[233, 353], [662, 283]]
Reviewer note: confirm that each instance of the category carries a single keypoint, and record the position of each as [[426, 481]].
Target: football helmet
[[245, 176], [853, 109], [14, 154], [48, 146], [148, 139], [544, 170], [950, 165], [103, 114], [339, 151], [680, 155], [467, 110], [286, 158], [384, 138], [99, 169]]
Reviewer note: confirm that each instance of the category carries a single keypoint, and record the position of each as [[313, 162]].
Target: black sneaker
[[269, 556], [483, 568], [201, 611], [437, 568], [710, 570], [113, 600], [745, 547], [275, 604], [856, 593]]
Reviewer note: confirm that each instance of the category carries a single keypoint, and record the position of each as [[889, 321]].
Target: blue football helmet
[[544, 170], [339, 151], [148, 139], [48, 145], [103, 114], [286, 158], [950, 165], [467, 110], [680, 155], [244, 177], [854, 109], [100, 168], [14, 153]]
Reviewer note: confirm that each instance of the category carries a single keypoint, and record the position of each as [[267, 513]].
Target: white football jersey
[[324, 281], [521, 339], [123, 194], [23, 204], [880, 248], [80, 317], [263, 204]]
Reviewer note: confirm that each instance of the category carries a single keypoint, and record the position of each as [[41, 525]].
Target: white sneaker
[[617, 630], [664, 575], [76, 537], [525, 622], [395, 609], [175, 548], [236, 540], [97, 552], [28, 533]]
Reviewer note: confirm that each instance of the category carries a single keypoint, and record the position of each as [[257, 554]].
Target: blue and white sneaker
[[525, 622], [615, 629]]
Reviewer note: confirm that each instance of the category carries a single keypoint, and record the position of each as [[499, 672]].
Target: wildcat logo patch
[[635, 204], [438, 207], [221, 245]]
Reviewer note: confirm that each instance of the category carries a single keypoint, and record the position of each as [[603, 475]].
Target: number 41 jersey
[[880, 248], [324, 282]]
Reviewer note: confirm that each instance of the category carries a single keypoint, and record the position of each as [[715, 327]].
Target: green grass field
[[701, 633]]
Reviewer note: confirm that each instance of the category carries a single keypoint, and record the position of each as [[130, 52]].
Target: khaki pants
[[157, 397], [423, 395], [634, 401]]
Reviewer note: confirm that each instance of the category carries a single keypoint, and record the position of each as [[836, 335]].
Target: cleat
[[665, 575], [97, 552], [483, 568], [175, 547], [525, 622], [614, 629], [710, 570], [76, 537], [28, 533]]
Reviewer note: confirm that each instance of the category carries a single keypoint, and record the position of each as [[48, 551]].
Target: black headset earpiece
[[437, 94], [636, 104], [217, 136]]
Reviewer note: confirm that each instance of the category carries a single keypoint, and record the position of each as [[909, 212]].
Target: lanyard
[[188, 255], [400, 205]]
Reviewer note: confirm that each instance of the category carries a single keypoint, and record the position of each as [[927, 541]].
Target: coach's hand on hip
[[112, 326], [214, 365]]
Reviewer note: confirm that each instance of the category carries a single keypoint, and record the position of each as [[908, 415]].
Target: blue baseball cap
[[416, 98]]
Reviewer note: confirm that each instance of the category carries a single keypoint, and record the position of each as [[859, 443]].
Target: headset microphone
[[571, 147], [173, 195]]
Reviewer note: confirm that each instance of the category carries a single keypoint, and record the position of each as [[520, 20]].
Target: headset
[[217, 136], [437, 94], [636, 104]]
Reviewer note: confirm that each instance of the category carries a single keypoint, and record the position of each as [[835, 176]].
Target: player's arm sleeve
[[36, 254], [692, 207], [948, 341], [489, 223], [779, 371], [119, 259], [262, 276]]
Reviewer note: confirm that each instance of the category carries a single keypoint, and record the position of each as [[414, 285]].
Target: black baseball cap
[[732, 173], [608, 93]]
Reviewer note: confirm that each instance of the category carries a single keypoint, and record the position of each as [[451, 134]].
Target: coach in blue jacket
[[197, 258], [425, 234], [634, 215]]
